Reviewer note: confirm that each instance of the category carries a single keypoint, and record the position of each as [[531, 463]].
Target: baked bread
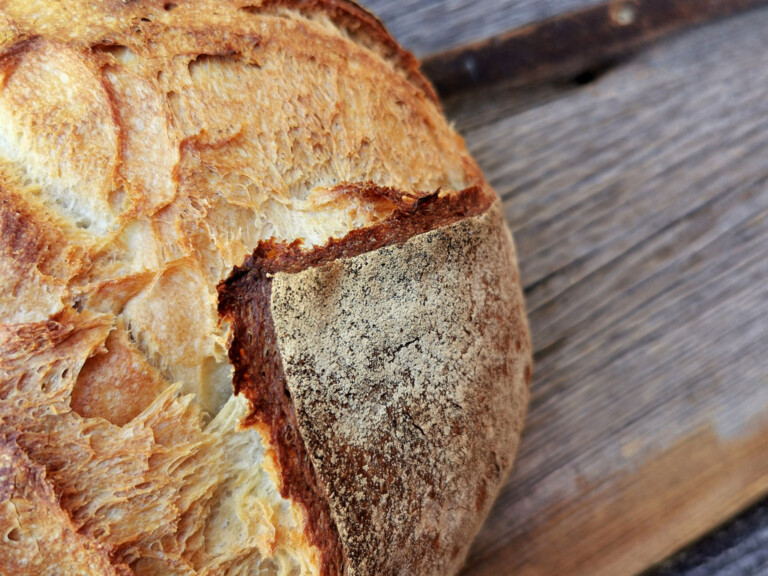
[[259, 313]]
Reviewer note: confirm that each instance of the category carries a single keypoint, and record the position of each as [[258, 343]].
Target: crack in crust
[[245, 304], [245, 301], [416, 215]]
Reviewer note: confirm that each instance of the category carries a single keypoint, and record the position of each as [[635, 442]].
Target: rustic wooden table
[[634, 168]]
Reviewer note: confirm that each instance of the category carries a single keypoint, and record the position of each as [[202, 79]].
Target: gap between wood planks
[[639, 203], [430, 26], [577, 43], [740, 547], [590, 537]]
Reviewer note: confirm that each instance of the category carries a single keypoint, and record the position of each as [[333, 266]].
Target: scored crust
[[146, 149], [399, 367], [409, 368]]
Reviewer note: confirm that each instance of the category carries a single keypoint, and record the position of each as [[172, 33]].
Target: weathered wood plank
[[640, 209], [428, 26], [469, 44], [738, 549], [571, 43]]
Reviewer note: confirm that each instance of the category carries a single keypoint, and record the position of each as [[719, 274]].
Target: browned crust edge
[[356, 19], [245, 302], [416, 214]]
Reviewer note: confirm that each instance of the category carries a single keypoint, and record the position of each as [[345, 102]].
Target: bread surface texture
[[146, 150], [400, 358]]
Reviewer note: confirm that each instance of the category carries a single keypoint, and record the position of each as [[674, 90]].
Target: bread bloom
[[259, 313]]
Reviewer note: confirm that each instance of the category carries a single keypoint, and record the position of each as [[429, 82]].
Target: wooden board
[[573, 43], [738, 549], [530, 41], [429, 26], [640, 207]]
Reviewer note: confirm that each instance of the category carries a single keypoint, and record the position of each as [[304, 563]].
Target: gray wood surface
[[547, 39], [639, 204], [427, 26]]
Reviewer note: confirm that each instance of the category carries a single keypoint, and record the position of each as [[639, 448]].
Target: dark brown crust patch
[[244, 300], [416, 215]]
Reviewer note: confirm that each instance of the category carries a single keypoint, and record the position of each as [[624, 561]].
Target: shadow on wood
[[569, 44]]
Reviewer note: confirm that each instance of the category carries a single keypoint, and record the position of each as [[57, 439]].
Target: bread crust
[[245, 301], [366, 27], [394, 374], [146, 148], [45, 540], [409, 369]]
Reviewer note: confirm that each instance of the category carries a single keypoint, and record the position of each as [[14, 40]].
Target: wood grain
[[737, 549], [529, 42], [428, 26], [640, 208], [573, 43]]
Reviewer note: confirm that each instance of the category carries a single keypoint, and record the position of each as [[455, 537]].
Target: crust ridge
[[245, 302], [408, 367]]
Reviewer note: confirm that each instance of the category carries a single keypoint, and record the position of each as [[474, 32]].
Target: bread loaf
[[260, 313]]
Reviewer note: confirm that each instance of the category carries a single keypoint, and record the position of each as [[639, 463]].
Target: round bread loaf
[[260, 313]]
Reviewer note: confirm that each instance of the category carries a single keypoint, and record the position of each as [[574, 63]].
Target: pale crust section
[[409, 370], [95, 393]]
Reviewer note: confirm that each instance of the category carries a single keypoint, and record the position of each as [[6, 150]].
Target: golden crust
[[36, 535], [146, 148], [151, 492], [94, 394]]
